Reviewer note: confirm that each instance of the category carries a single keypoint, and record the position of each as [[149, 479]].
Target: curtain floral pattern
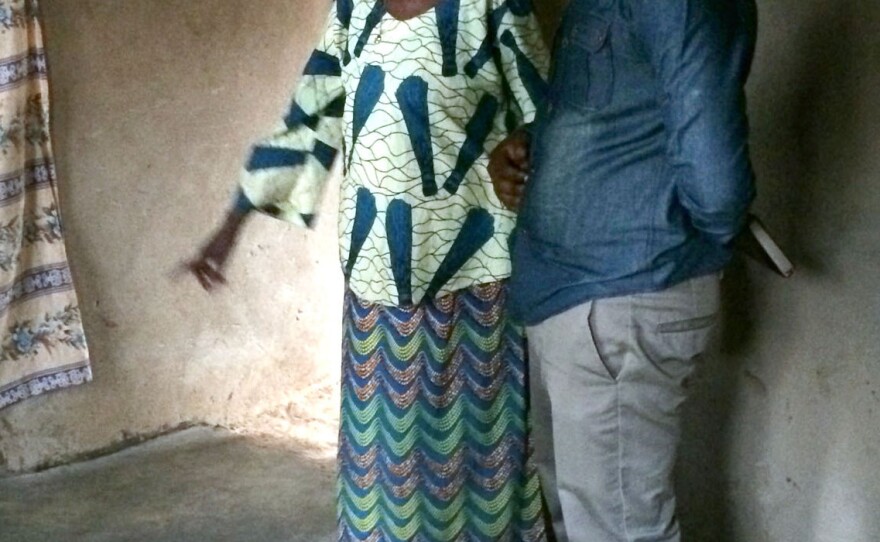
[[42, 343]]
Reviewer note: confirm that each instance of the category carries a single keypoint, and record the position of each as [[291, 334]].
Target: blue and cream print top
[[412, 108]]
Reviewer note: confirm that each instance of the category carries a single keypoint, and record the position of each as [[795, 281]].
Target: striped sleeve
[[287, 172]]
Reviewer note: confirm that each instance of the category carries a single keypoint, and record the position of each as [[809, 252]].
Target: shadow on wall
[[829, 134], [804, 135]]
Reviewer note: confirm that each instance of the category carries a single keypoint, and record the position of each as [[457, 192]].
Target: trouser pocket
[[604, 336], [675, 326]]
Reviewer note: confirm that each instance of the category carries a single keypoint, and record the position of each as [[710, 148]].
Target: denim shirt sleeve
[[701, 51]]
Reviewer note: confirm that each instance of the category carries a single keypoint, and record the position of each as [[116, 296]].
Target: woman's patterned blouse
[[412, 109]]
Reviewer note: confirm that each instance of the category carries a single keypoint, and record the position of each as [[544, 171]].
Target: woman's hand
[[509, 169], [208, 266]]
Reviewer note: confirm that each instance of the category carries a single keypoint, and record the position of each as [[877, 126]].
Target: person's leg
[[581, 453], [614, 373], [433, 433], [541, 433]]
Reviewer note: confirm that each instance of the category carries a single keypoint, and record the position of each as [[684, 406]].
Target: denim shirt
[[640, 166]]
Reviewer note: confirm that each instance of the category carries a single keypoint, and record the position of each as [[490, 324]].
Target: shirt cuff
[[242, 204]]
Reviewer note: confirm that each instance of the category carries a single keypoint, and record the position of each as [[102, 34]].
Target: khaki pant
[[608, 379]]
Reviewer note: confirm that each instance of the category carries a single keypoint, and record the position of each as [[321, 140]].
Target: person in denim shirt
[[633, 179]]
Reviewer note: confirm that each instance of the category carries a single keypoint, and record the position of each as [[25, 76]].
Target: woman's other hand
[[208, 266]]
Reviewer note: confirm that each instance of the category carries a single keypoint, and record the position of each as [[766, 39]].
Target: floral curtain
[[42, 344]]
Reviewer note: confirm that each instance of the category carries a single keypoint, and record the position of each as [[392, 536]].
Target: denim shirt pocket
[[584, 75]]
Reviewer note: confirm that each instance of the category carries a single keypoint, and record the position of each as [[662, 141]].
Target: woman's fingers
[[207, 273], [510, 192], [517, 151], [507, 171], [510, 159], [511, 188]]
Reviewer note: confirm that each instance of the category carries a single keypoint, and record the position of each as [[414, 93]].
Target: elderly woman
[[410, 95]]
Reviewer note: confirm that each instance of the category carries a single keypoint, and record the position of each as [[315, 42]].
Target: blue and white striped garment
[[412, 108]]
